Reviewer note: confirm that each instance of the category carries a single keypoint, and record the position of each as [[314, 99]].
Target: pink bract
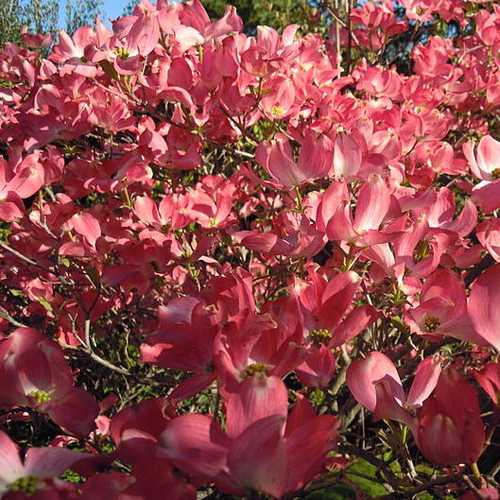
[[251, 261]]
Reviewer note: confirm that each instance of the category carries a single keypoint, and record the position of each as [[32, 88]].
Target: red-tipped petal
[[10, 465], [195, 444], [51, 462], [373, 204], [258, 397], [76, 412], [483, 306], [257, 459], [356, 321], [145, 208], [362, 375], [425, 381], [487, 196], [347, 157], [87, 226]]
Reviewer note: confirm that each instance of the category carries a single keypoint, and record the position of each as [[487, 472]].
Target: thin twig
[[96, 357], [13, 321], [19, 254], [87, 348], [428, 486]]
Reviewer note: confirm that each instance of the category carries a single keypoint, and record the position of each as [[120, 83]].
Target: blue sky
[[111, 9], [114, 8]]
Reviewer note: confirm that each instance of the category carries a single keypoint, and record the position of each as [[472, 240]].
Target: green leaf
[[45, 303], [371, 487], [337, 492], [425, 469], [424, 496]]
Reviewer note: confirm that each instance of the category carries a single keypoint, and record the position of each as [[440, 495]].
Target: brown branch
[[486, 262], [440, 481]]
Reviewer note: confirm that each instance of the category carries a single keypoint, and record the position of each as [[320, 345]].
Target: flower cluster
[[218, 250]]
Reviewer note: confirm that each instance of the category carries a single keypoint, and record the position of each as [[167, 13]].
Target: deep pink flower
[[372, 206], [39, 464], [374, 382], [273, 455], [488, 234], [443, 309], [183, 341], [450, 430], [484, 165], [346, 157], [18, 182], [314, 161], [34, 373], [482, 306], [292, 234], [484, 161], [328, 322], [489, 379]]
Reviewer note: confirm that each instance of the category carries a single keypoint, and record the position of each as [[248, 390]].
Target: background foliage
[[44, 16]]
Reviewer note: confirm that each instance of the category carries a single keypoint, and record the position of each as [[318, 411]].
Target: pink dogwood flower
[[450, 429], [29, 476], [315, 159], [484, 165], [375, 383], [34, 373], [273, 455], [485, 315]]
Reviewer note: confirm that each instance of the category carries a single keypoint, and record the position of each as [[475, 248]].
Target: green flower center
[[320, 336], [122, 52], [255, 369], [277, 111], [40, 397], [496, 173], [27, 484], [422, 250], [6, 84], [431, 323]]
